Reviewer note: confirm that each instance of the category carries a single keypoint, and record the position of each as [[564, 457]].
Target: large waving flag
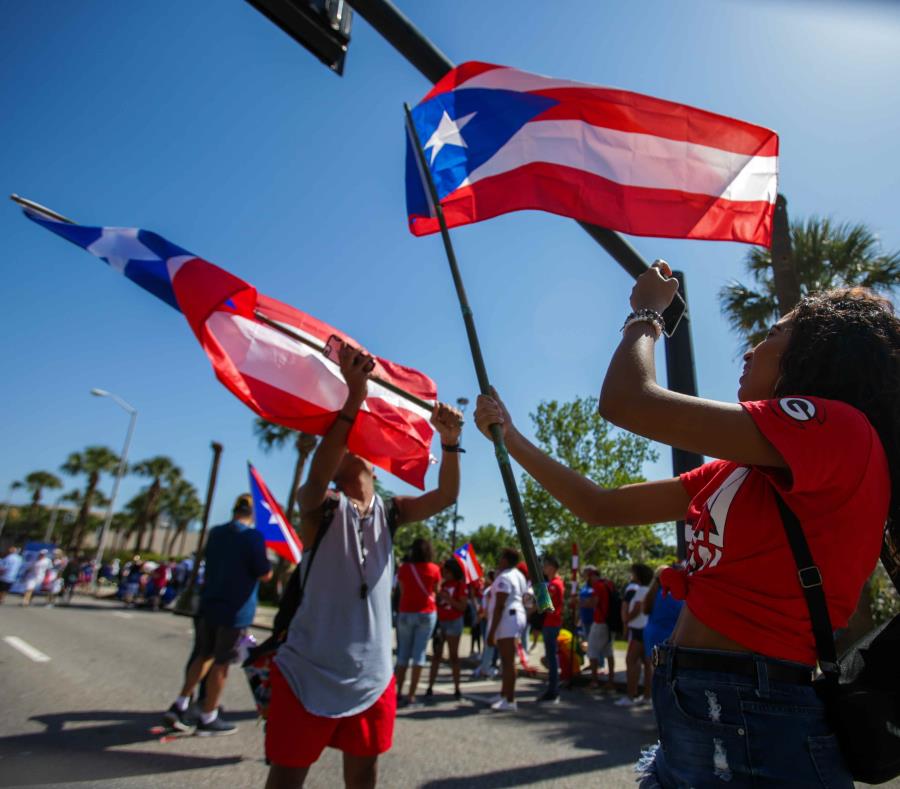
[[280, 379], [469, 562], [498, 140], [271, 522]]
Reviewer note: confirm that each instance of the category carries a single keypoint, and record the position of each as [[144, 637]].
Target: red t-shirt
[[557, 590], [601, 610], [417, 596], [742, 579], [457, 590]]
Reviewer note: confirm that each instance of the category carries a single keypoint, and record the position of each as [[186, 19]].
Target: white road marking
[[26, 649], [123, 614]]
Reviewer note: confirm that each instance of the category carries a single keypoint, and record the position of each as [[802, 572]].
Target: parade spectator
[[71, 575], [585, 607], [551, 625], [160, 577], [331, 682], [418, 580], [600, 636], [10, 566], [817, 425], [476, 593], [133, 571], [35, 573], [662, 612], [236, 563], [489, 656], [452, 601], [506, 623], [53, 579], [635, 620]]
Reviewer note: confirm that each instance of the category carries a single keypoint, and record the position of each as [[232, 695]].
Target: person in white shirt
[[506, 622], [9, 570], [34, 575], [634, 619]]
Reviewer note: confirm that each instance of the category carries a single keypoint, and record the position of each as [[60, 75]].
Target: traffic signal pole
[[409, 41]]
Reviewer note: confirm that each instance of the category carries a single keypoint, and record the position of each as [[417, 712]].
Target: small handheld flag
[[270, 521], [469, 562], [498, 139], [264, 351]]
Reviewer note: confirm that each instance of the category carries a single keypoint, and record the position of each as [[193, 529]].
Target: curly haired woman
[[817, 421]]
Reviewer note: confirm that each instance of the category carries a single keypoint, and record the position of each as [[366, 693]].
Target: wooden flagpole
[[541, 594], [279, 327]]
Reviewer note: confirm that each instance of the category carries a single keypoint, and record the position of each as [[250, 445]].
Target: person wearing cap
[[236, 562]]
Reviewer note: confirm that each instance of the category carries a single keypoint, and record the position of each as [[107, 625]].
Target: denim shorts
[[452, 627], [413, 632], [719, 729]]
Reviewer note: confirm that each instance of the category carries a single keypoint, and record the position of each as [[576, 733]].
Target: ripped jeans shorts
[[723, 729]]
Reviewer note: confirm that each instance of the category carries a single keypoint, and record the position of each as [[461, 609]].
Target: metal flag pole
[[542, 596]]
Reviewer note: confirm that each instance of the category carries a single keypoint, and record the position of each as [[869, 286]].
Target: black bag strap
[[811, 583]]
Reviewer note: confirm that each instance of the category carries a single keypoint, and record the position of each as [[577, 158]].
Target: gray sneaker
[[178, 720], [215, 728]]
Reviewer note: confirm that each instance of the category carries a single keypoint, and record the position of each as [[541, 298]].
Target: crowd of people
[[44, 572]]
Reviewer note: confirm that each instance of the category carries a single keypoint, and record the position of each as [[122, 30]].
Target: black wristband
[[453, 448], [350, 419]]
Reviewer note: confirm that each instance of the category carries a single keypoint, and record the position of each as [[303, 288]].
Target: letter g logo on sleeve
[[798, 408]]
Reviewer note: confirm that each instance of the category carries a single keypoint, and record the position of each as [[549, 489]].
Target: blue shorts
[[413, 632], [452, 627]]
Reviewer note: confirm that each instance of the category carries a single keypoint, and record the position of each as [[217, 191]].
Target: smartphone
[[332, 350], [673, 314]]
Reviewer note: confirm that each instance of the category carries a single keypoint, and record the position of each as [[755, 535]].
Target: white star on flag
[[448, 133], [118, 245], [273, 518]]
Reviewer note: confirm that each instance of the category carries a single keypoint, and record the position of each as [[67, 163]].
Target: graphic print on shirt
[[798, 408], [706, 539]]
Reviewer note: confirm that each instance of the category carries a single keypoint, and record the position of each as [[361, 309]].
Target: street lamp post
[[120, 472], [462, 402]]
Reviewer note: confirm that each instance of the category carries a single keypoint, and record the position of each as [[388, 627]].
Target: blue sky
[[204, 122]]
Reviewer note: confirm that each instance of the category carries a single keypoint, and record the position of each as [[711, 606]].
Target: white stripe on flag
[[262, 352], [513, 79], [633, 159]]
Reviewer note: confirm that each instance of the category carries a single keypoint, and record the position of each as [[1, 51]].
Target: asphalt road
[[84, 717]]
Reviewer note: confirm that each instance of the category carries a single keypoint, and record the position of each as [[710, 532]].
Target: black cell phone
[[673, 314], [332, 351]]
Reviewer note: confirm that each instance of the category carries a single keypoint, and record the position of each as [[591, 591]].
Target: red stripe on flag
[[634, 112], [639, 211], [452, 79]]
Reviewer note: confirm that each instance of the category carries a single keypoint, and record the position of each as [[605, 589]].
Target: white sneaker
[[642, 702], [625, 701], [504, 706]]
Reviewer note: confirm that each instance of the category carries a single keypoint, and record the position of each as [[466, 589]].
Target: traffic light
[[322, 26]]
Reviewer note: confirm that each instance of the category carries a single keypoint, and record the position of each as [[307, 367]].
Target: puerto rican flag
[[498, 140], [280, 379], [469, 562], [271, 522]]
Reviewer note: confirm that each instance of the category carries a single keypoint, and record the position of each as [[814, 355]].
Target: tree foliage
[[825, 254], [575, 434], [488, 540]]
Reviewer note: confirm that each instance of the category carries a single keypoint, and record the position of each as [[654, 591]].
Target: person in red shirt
[[452, 601], [818, 422], [550, 629], [600, 639], [418, 579]]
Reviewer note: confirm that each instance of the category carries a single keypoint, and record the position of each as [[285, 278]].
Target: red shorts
[[296, 738]]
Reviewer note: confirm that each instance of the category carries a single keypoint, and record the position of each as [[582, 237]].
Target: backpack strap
[[811, 582]]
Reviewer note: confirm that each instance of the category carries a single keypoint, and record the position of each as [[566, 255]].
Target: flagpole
[[542, 596], [424, 404], [287, 332]]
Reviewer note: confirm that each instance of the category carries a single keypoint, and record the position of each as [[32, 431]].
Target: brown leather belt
[[687, 660]]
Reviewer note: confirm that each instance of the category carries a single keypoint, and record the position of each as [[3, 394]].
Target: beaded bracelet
[[646, 315]]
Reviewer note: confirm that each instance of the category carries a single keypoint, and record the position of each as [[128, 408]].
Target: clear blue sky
[[204, 122]]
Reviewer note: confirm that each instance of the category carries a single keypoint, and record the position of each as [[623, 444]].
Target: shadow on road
[[83, 746], [522, 776]]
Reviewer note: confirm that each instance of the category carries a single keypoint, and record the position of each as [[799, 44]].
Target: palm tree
[[160, 469], [272, 436], [93, 462], [182, 504], [76, 498], [825, 255], [37, 482]]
